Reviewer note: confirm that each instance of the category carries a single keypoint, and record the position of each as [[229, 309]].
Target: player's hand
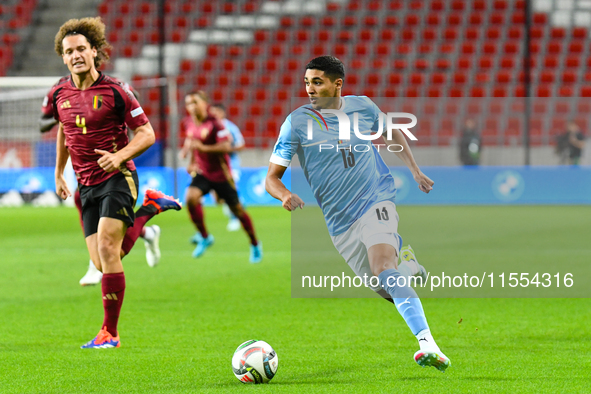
[[61, 187], [292, 201], [425, 183], [183, 153], [200, 146], [109, 161]]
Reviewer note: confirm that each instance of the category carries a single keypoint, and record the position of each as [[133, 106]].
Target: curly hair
[[91, 28]]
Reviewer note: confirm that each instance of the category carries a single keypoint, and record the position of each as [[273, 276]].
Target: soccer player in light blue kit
[[219, 111], [355, 191]]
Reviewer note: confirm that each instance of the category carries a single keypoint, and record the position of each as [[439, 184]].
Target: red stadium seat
[[429, 34], [503, 77], [438, 78], [328, 21], [437, 5], [551, 62], [576, 46], [471, 34], [540, 18], [365, 35], [464, 63], [442, 64], [370, 21], [518, 18], [514, 33], [361, 50], [490, 48], [511, 47], [400, 64], [544, 91], [554, 47], [572, 62], [395, 79], [460, 78], [547, 77], [486, 62], [499, 91], [497, 18], [475, 19], [450, 34], [457, 5], [565, 91], [433, 19], [454, 19], [391, 21], [387, 35]]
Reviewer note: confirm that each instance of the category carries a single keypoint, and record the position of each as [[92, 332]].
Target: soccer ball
[[255, 362]]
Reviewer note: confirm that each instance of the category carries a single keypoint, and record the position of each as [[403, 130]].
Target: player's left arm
[[222, 145], [143, 138], [425, 183], [218, 147]]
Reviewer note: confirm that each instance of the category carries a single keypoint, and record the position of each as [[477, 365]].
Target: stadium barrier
[[453, 185]]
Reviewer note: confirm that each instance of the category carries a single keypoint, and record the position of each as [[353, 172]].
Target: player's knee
[[108, 249], [380, 263]]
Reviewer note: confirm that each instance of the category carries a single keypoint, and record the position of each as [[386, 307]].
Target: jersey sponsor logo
[[97, 102], [136, 112], [66, 104]]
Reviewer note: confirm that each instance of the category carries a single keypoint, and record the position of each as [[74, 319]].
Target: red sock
[[78, 202], [249, 228], [113, 286], [133, 233], [196, 213]]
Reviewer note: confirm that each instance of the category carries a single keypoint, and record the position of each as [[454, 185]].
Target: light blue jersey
[[347, 181], [237, 142]]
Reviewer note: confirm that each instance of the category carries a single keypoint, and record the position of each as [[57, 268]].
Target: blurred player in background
[[355, 191], [209, 143], [219, 111], [150, 235], [93, 112], [570, 144]]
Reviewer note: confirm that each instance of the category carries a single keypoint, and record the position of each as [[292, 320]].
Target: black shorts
[[224, 190], [114, 198]]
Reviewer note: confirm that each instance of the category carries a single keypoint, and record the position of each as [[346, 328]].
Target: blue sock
[[405, 299]]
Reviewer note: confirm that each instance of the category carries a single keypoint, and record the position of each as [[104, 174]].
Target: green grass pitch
[[182, 320]]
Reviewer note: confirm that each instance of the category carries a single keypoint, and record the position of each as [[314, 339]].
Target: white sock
[[426, 341], [149, 234], [92, 267], [226, 210]]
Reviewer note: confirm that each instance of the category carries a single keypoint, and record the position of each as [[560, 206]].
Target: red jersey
[[95, 118], [215, 167], [46, 108]]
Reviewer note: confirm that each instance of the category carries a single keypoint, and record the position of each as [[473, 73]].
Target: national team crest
[[97, 102]]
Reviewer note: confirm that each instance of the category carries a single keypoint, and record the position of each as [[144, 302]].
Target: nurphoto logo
[[366, 135]]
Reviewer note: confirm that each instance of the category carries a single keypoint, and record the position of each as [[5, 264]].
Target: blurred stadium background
[[445, 61]]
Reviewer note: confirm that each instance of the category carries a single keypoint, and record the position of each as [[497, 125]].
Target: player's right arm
[[424, 182], [277, 189], [280, 159], [62, 154]]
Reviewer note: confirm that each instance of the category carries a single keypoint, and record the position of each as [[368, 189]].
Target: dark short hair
[[333, 68], [220, 106]]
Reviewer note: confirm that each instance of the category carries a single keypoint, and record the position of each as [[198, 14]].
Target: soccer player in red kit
[[93, 112], [209, 143], [150, 235]]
